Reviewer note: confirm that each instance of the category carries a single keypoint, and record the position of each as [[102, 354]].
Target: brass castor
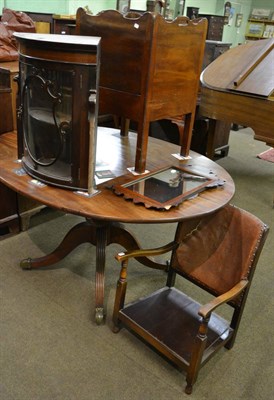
[[188, 389], [26, 263], [116, 329], [99, 315]]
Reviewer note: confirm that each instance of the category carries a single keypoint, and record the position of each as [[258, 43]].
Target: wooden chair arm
[[122, 256], [207, 309]]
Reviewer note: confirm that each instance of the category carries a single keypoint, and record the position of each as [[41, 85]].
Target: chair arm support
[[146, 252], [207, 309]]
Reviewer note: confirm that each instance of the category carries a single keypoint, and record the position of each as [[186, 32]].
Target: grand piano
[[238, 87]]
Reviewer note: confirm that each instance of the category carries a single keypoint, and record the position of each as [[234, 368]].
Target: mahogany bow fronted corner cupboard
[[57, 112], [150, 70]]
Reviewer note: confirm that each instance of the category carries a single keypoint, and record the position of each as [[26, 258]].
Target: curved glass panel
[[47, 115], [41, 132]]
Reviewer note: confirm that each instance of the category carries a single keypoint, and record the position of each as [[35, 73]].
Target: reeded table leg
[[101, 244]]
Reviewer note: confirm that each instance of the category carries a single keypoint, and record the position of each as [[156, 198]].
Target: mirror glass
[[167, 185]]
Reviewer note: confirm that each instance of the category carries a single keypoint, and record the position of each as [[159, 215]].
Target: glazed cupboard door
[[57, 113]]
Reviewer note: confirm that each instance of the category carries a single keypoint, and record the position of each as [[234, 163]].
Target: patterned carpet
[[267, 155]]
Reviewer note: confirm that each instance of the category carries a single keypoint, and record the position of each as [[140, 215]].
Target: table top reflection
[[116, 155]]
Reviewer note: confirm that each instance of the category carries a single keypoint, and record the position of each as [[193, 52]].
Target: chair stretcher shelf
[[156, 316]]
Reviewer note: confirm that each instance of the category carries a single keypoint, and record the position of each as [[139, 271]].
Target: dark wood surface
[[118, 154], [201, 140], [8, 71], [6, 123], [215, 26], [147, 64], [167, 314], [64, 26], [15, 210], [166, 130], [105, 211], [71, 65], [9, 217], [172, 322], [213, 50]]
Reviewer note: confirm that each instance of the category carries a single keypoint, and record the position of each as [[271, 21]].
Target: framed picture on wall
[[123, 6], [268, 31], [260, 13], [255, 29]]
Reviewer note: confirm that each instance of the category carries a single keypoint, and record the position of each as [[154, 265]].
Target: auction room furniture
[[167, 130], [238, 87], [8, 72], [64, 24], [150, 70], [6, 123], [15, 210], [57, 111], [9, 210], [200, 142], [53, 23], [218, 253], [9, 217], [215, 26], [105, 211], [43, 21], [213, 50]]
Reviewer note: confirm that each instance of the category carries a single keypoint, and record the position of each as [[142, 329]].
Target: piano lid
[[245, 69]]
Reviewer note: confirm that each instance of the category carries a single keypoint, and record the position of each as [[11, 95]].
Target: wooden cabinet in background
[[200, 142], [9, 216], [15, 210], [8, 71], [215, 26], [53, 23], [64, 25], [43, 21], [150, 70], [6, 123], [213, 50]]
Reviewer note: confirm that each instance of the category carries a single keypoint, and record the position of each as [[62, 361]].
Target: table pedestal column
[[100, 234]]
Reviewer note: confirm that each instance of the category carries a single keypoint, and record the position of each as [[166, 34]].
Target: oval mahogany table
[[105, 212]]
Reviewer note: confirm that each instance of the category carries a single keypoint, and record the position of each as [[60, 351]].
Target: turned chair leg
[[197, 354], [120, 296]]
